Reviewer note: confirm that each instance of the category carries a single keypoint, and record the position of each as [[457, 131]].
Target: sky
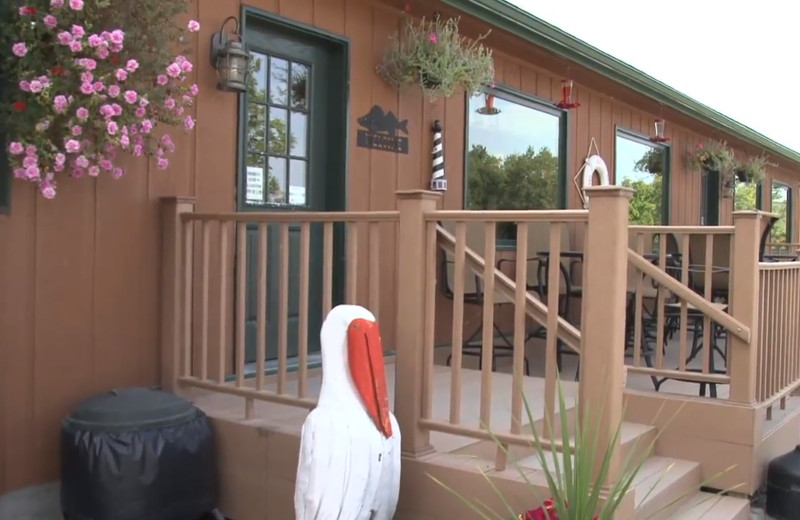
[[739, 58]]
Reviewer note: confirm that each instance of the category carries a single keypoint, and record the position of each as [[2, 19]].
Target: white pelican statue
[[349, 467]]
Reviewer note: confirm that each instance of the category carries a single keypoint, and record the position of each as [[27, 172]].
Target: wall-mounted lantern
[[659, 137], [567, 102], [230, 58]]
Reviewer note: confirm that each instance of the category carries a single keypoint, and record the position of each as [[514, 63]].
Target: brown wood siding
[[79, 275]]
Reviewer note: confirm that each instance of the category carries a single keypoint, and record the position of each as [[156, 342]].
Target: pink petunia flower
[[76, 5], [193, 26], [19, 49], [50, 21]]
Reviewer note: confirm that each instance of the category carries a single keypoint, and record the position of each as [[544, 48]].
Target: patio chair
[[474, 296], [537, 279]]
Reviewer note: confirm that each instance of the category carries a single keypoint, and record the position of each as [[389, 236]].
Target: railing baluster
[[487, 339], [430, 323], [351, 295], [261, 307], [327, 268], [374, 268], [241, 293], [302, 321], [553, 307], [283, 306], [458, 323], [188, 295], [204, 301], [223, 301]]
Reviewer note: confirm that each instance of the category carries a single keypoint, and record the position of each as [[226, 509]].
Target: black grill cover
[[783, 486], [137, 454]]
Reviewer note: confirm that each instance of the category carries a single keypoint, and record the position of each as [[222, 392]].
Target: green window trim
[[789, 208], [666, 176], [533, 102]]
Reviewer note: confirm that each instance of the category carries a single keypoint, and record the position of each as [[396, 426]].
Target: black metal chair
[[474, 296]]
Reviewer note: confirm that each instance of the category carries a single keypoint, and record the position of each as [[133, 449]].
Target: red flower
[[19, 106], [57, 71], [114, 59], [27, 10]]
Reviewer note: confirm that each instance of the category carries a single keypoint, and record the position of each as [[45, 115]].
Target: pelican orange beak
[[365, 357]]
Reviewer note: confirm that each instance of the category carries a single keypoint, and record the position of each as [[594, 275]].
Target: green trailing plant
[[653, 161], [714, 156], [432, 54], [576, 473], [753, 170]]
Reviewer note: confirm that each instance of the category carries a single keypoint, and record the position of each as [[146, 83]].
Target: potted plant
[[432, 54], [90, 83], [651, 162], [752, 170], [714, 156]]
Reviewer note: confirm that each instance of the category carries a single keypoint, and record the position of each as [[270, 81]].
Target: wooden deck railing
[[418, 249], [471, 271], [265, 252], [778, 372]]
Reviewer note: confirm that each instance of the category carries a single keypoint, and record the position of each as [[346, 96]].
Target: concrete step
[[710, 506]]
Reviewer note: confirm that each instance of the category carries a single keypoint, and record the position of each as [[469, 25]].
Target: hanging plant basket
[[90, 84], [433, 55], [714, 156], [753, 170]]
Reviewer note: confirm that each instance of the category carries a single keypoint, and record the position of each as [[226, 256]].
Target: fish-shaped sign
[[380, 131], [378, 121]]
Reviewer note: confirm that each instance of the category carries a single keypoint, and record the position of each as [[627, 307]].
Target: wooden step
[[709, 506], [662, 484]]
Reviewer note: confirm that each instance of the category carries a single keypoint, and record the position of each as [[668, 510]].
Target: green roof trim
[[510, 18]]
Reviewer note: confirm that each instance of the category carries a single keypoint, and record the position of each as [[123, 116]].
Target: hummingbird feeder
[[659, 137], [488, 108], [567, 102]]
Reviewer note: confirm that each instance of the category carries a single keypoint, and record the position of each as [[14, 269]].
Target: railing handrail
[[537, 310], [705, 230], [724, 319], [778, 266], [295, 216], [559, 215]]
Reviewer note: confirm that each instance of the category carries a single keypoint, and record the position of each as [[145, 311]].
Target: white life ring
[[595, 164]]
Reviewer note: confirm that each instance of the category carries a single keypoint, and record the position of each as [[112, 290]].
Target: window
[[643, 166], [276, 148], [516, 155], [746, 196], [781, 203]]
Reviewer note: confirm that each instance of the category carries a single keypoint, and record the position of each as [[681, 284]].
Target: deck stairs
[[665, 487]]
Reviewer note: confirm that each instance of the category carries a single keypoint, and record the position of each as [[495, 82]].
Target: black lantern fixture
[[230, 58]]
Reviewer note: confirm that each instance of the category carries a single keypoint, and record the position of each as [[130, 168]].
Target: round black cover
[[137, 454], [783, 486], [131, 409]]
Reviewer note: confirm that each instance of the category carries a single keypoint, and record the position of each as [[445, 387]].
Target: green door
[[293, 160], [710, 194]]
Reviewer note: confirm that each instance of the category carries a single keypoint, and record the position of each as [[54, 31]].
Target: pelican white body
[[349, 468]]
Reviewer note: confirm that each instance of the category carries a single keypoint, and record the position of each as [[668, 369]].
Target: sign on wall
[[381, 130]]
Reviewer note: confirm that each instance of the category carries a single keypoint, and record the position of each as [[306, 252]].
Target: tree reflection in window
[[745, 196], [277, 136], [643, 166], [782, 205], [512, 158]]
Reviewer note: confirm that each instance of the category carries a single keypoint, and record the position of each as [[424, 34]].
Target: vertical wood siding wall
[[79, 275]]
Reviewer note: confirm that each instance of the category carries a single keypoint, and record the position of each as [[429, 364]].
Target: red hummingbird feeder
[[659, 137], [488, 108], [567, 102]]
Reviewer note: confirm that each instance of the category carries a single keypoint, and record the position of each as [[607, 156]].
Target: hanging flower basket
[[90, 83], [714, 156], [753, 170], [434, 56]]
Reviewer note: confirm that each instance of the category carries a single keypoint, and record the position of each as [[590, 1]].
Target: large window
[[643, 166], [782, 205], [515, 154]]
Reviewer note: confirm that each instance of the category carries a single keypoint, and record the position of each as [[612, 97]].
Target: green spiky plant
[[575, 482]]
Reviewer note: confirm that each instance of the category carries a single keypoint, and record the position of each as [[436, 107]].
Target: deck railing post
[[603, 329], [171, 275], [411, 316], [744, 301]]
